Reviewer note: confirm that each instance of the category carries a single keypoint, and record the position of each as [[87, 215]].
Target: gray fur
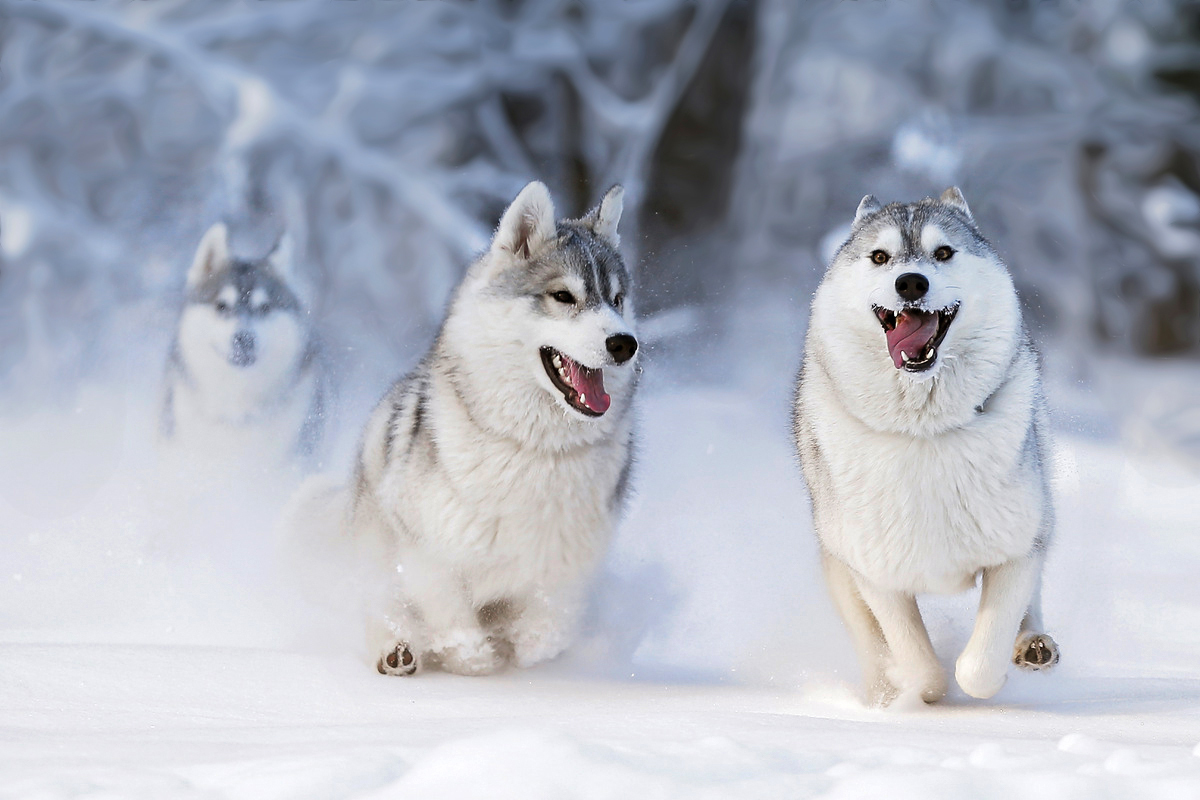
[[578, 252], [244, 277], [910, 219]]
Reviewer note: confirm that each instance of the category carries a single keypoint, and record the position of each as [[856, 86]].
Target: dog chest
[[925, 514], [496, 508]]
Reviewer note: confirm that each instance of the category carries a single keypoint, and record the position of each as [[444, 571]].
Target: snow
[[129, 721], [149, 652]]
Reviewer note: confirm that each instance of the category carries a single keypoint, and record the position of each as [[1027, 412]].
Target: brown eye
[[563, 296], [879, 257], [619, 301], [943, 253]]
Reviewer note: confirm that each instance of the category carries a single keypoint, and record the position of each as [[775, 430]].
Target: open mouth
[[582, 387], [913, 335]]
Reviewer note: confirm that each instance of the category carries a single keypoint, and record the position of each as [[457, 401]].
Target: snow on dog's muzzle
[[913, 335], [582, 387]]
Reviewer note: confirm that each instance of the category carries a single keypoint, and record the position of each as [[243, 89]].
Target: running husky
[[921, 429], [490, 478], [243, 376]]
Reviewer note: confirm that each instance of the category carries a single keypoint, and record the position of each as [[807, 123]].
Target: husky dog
[[921, 429], [243, 374], [490, 478]]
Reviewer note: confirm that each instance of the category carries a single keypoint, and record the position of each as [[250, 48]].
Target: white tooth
[[904, 356], [932, 352], [556, 361], [583, 399], [562, 371]]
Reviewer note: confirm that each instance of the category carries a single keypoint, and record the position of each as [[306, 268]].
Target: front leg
[[914, 665], [982, 668], [442, 626], [864, 630], [543, 626], [396, 642], [1035, 649]]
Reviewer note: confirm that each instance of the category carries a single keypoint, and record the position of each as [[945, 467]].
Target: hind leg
[[913, 665], [863, 627], [1008, 590], [1034, 650]]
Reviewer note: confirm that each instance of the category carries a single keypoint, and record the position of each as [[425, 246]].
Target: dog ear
[[281, 256], [866, 207], [954, 197], [211, 255], [527, 224], [603, 219]]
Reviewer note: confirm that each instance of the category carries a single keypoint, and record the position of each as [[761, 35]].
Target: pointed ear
[[954, 197], [281, 256], [211, 255], [866, 207], [604, 218], [527, 224]]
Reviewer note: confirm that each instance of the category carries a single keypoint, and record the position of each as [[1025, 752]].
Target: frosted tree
[[386, 136]]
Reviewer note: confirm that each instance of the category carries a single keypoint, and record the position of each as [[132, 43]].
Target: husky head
[[548, 311], [242, 322], [916, 309]]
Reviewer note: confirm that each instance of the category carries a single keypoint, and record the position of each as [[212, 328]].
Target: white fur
[[608, 214], [507, 494], [921, 481], [212, 253], [527, 224]]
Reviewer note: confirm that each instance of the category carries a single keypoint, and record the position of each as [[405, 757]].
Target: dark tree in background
[[388, 137]]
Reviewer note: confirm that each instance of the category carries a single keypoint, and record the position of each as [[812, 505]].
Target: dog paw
[[467, 655], [1035, 651], [398, 661], [929, 684], [979, 678], [540, 644], [880, 692]]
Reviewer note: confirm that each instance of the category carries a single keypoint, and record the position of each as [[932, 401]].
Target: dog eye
[[619, 300], [879, 257], [943, 253], [563, 296]]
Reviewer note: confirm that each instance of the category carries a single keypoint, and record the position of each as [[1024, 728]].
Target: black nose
[[912, 286], [242, 353], [622, 346]]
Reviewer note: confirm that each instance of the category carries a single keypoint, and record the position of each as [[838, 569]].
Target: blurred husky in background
[[921, 429], [489, 480], [244, 378]]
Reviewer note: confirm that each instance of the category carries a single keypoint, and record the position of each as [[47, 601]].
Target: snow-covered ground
[[154, 722], [150, 647]]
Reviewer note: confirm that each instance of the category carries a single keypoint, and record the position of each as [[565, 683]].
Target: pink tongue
[[913, 331], [589, 383]]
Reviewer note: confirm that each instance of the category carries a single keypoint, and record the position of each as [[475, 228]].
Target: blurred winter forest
[[388, 136]]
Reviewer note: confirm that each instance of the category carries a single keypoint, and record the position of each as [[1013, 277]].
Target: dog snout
[[242, 352], [621, 347], [912, 286]]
